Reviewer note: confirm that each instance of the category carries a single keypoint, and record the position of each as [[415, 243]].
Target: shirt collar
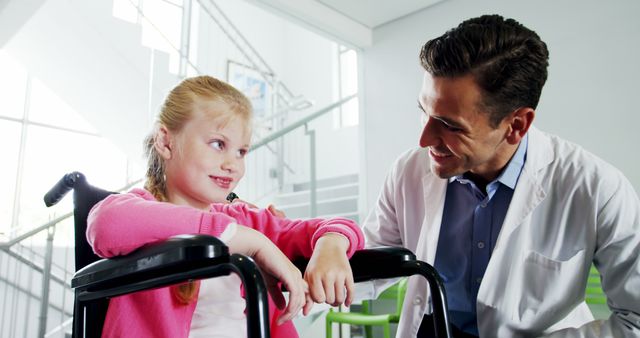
[[510, 174]]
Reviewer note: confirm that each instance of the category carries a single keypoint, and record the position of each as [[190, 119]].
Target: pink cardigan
[[122, 223]]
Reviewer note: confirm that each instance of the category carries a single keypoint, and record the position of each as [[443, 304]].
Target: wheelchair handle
[[60, 189]]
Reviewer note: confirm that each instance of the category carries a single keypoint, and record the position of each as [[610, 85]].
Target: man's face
[[458, 135]]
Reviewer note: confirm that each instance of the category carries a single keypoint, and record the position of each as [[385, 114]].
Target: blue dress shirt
[[471, 222]]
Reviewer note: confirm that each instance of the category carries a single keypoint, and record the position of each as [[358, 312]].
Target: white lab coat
[[569, 209]]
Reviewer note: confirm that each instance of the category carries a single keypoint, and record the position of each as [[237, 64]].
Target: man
[[511, 217]]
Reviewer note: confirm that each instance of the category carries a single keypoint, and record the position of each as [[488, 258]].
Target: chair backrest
[[85, 196], [400, 292]]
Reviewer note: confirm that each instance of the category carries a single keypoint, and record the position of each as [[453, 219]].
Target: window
[[13, 83], [44, 139], [347, 115], [10, 137], [48, 108], [161, 23]]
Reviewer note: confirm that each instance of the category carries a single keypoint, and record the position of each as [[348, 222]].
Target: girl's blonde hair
[[177, 110]]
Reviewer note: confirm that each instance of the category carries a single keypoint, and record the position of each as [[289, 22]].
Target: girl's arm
[[296, 238], [275, 267], [122, 223], [329, 243]]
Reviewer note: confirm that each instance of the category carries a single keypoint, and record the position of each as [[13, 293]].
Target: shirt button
[[417, 301], [481, 245], [479, 279]]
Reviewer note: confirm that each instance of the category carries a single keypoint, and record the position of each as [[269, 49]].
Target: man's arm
[[617, 258], [381, 225]]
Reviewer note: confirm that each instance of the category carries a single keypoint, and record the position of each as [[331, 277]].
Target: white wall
[[590, 96]]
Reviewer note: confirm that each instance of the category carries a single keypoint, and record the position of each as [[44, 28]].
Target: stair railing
[[304, 122], [18, 258]]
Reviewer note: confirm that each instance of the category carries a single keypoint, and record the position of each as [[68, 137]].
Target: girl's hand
[[271, 208], [276, 212], [328, 273], [275, 267]]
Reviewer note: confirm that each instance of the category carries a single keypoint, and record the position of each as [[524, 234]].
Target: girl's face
[[207, 159]]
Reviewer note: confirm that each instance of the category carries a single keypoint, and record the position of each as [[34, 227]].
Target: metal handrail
[[59, 328], [13, 241], [228, 22], [301, 122]]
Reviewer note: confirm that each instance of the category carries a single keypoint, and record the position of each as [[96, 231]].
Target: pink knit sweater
[[122, 223]]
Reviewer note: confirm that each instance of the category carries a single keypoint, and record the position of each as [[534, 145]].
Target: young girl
[[196, 158]]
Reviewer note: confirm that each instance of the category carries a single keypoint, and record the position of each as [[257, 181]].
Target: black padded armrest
[[374, 263], [176, 256], [176, 260], [382, 262]]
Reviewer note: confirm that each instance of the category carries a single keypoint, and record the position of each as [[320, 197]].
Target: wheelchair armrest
[[381, 262], [373, 263], [178, 257], [176, 260]]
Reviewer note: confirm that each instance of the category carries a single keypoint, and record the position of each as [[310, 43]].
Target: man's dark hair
[[507, 60]]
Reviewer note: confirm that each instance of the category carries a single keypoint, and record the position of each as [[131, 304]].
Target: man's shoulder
[[573, 163], [568, 154], [412, 170], [412, 157]]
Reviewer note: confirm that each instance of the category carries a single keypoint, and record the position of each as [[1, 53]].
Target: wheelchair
[[188, 257]]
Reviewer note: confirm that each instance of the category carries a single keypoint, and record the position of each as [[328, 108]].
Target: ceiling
[[350, 21], [373, 13]]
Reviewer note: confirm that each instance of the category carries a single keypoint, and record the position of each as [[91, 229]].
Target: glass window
[[348, 72], [13, 84], [194, 37], [126, 10], [48, 108], [347, 115], [350, 113], [9, 136], [162, 29], [51, 153]]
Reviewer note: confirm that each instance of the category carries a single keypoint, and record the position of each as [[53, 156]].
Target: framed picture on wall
[[249, 81]]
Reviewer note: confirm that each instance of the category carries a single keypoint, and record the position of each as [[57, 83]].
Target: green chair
[[595, 298], [366, 318]]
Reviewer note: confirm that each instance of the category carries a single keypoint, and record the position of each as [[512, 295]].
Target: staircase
[[336, 197]]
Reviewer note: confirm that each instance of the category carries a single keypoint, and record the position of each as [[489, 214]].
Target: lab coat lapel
[[529, 193], [434, 189]]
